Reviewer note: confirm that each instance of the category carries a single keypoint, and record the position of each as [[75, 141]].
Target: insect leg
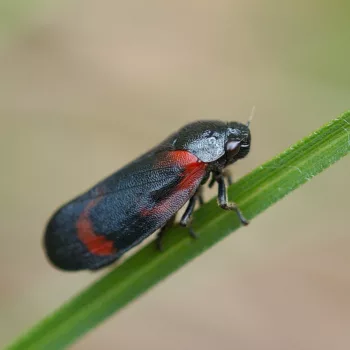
[[228, 175], [186, 217], [224, 203], [212, 180], [200, 195], [161, 233]]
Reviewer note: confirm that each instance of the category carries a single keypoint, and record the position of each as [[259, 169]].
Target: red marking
[[193, 168], [97, 245], [191, 174], [180, 158]]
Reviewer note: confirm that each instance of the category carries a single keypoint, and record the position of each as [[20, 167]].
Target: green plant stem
[[254, 193]]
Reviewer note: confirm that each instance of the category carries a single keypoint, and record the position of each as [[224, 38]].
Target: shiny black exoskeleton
[[96, 228]]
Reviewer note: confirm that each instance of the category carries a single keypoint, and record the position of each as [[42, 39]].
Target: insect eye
[[233, 146]]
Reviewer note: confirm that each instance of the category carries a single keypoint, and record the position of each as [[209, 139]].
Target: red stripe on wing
[[192, 172], [96, 244]]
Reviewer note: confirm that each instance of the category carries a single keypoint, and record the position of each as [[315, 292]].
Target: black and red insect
[[96, 228]]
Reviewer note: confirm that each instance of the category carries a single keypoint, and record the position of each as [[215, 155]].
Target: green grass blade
[[254, 193]]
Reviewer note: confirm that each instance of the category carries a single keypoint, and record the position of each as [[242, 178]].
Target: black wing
[[96, 228]]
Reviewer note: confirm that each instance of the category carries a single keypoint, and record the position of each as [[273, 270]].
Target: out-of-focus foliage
[[86, 86]]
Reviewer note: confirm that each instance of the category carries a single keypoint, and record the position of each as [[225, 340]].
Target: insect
[[96, 228]]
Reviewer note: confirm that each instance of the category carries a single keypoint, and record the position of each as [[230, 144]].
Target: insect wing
[[96, 228]]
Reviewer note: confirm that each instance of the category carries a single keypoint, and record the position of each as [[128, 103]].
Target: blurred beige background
[[85, 86]]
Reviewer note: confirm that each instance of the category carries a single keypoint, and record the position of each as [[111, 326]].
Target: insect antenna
[[251, 116]]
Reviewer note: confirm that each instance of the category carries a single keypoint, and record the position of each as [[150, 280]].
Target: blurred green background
[[86, 86]]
